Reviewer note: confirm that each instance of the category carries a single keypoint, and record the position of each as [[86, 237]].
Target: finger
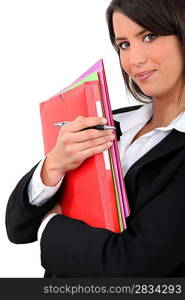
[[90, 134], [81, 123], [85, 135], [96, 150], [94, 143]]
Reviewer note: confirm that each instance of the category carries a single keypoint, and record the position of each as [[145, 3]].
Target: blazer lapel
[[173, 141], [118, 129]]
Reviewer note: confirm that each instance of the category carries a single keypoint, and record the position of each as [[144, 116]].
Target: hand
[[73, 146], [56, 209]]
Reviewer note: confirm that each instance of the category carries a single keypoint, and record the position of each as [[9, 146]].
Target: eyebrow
[[137, 34]]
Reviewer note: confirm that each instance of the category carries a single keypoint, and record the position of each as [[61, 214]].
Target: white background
[[45, 45]]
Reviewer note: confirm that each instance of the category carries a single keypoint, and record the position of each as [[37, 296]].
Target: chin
[[150, 93], [148, 90]]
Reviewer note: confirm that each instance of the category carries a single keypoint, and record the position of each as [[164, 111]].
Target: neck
[[166, 110]]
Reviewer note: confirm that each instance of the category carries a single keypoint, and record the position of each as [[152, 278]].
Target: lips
[[144, 75]]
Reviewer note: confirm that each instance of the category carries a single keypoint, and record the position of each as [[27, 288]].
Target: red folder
[[88, 192]]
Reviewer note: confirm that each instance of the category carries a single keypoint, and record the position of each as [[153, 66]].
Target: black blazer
[[153, 244]]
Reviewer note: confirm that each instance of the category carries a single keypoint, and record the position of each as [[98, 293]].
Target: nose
[[137, 56]]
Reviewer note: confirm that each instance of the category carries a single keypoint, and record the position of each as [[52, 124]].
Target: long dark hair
[[163, 17]]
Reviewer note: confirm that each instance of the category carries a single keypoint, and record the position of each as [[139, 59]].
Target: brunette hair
[[162, 17]]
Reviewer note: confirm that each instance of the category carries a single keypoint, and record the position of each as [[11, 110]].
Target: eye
[[150, 37], [123, 45]]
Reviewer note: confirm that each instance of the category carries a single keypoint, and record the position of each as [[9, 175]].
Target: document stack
[[95, 191]]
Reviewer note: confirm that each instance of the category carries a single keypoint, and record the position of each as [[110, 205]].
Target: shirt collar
[[141, 116], [178, 123], [135, 118]]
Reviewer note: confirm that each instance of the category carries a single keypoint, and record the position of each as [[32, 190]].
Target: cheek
[[172, 64], [169, 57], [125, 64]]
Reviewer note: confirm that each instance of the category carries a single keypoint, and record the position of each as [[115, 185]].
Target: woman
[[149, 37]]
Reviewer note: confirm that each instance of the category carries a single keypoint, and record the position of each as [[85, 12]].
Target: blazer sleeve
[[153, 244], [22, 218]]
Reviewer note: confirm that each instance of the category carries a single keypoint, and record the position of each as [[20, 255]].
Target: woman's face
[[159, 57]]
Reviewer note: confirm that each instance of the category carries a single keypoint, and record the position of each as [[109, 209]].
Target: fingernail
[[110, 132]]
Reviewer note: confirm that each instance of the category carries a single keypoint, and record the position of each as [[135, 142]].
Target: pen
[[99, 127]]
